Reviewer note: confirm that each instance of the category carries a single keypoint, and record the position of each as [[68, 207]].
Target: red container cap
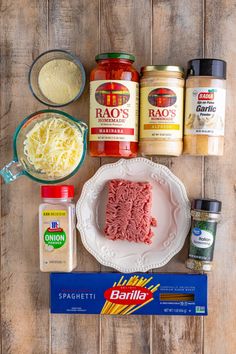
[[57, 191]]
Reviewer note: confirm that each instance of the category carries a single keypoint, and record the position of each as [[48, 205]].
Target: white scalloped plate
[[170, 207]]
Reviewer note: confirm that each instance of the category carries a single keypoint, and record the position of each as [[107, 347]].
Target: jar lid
[[65, 191], [117, 55], [210, 205], [170, 68], [207, 67]]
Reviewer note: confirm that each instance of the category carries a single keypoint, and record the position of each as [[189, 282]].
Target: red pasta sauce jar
[[114, 104]]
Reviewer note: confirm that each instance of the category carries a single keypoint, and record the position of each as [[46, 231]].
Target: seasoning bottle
[[114, 106], [57, 233], [161, 110], [205, 216], [205, 107]]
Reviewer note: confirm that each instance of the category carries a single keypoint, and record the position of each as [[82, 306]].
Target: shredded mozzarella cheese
[[54, 147]]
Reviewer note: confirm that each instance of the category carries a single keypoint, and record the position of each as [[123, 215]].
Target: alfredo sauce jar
[[114, 105], [161, 110]]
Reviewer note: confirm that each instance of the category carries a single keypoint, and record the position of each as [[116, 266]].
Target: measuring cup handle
[[12, 171], [83, 126]]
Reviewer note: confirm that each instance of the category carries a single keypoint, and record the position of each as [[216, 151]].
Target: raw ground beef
[[128, 211]]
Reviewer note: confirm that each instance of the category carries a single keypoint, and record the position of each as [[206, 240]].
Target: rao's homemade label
[[202, 240], [161, 112], [205, 111], [114, 110]]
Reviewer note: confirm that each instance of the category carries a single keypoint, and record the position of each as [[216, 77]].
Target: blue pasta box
[[129, 294]]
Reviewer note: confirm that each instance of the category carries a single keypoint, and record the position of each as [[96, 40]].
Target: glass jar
[[205, 107], [57, 233], [161, 110], [114, 105], [205, 216]]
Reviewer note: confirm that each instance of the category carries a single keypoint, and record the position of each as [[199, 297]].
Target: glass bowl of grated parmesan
[[57, 78], [49, 147]]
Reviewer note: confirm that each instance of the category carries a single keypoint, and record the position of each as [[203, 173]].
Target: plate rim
[[138, 268]]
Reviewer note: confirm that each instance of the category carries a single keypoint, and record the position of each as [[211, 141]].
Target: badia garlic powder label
[[205, 111]]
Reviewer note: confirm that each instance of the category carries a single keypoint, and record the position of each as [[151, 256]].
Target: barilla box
[[129, 294]]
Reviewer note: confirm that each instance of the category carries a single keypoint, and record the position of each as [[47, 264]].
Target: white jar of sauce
[[161, 110]]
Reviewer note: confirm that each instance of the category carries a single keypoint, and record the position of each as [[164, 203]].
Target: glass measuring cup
[[20, 165]]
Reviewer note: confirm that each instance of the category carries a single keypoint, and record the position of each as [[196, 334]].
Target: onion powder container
[[57, 233]]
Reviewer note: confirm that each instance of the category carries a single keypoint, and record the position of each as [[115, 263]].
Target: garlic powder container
[[205, 107], [57, 233]]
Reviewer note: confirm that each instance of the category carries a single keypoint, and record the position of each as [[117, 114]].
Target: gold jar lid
[[169, 68]]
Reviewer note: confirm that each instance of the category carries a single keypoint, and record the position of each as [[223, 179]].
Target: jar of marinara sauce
[[114, 104]]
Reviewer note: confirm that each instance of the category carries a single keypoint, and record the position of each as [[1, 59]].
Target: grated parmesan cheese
[[60, 80]]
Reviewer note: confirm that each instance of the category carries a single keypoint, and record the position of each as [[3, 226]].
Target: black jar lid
[[207, 67], [210, 205]]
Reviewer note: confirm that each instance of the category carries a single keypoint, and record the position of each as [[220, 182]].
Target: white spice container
[[57, 233]]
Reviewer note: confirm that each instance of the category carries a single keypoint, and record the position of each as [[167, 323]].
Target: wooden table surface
[[157, 32]]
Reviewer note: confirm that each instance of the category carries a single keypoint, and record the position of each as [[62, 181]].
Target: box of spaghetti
[[129, 294]]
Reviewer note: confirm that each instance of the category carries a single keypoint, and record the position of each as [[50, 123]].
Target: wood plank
[[127, 335], [71, 27], [24, 291], [177, 38], [121, 31], [125, 25], [177, 335], [219, 326]]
